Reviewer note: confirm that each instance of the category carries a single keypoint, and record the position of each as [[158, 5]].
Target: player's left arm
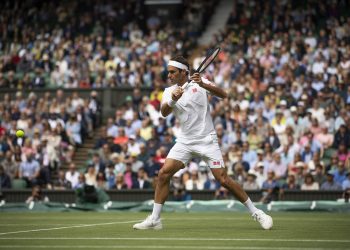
[[209, 86]]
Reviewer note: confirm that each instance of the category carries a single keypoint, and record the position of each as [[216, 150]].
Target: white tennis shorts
[[208, 149]]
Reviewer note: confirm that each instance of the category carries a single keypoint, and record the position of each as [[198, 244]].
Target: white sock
[[249, 204], [157, 208]]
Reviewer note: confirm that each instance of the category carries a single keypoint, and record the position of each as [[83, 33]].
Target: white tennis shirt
[[192, 111]]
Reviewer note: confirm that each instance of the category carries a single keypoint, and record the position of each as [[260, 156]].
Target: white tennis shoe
[[149, 223], [265, 220]]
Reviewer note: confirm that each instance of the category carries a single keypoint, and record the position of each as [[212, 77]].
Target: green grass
[[113, 230]]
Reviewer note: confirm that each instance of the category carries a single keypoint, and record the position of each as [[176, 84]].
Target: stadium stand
[[84, 80]]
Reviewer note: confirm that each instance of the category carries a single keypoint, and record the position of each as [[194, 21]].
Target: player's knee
[[163, 176], [224, 180]]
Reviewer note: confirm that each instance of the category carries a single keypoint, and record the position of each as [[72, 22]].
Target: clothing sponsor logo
[[216, 163], [194, 90]]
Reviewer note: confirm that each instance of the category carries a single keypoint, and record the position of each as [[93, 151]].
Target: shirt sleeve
[[166, 96]]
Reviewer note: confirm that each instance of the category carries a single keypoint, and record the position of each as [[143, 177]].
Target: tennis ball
[[20, 133]]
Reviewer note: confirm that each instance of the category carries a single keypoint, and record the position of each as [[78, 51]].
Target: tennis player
[[197, 139]]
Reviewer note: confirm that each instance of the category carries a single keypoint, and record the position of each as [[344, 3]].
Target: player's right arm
[[169, 100]]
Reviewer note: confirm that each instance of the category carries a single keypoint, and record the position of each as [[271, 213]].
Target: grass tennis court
[[113, 230]]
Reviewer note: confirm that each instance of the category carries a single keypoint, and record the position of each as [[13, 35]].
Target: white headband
[[177, 65]]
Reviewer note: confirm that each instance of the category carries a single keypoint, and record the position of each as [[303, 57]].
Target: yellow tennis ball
[[20, 133]]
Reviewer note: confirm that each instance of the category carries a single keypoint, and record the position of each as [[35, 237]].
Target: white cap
[[283, 102], [293, 109]]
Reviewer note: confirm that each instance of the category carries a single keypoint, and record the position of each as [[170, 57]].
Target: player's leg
[[175, 161], [220, 174], [212, 155], [171, 166]]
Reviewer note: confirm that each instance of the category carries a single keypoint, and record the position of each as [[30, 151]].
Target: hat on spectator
[[304, 97], [301, 103], [260, 164], [251, 172], [299, 164], [295, 84], [271, 89], [128, 98], [132, 137], [293, 109], [259, 151], [283, 103], [240, 89], [114, 155]]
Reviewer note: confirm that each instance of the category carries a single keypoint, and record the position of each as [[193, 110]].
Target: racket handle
[[185, 85]]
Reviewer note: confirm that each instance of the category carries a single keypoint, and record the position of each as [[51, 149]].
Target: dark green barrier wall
[[143, 195]]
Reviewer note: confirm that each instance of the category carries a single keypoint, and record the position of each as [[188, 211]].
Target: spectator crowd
[[285, 125]]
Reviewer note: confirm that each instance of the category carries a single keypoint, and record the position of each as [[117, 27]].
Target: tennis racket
[[211, 55]]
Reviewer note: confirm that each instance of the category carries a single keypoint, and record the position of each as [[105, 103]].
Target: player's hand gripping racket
[[211, 55]]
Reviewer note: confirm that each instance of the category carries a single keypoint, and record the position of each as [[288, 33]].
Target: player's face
[[174, 74]]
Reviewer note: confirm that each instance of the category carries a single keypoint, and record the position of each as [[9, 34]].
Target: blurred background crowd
[[285, 65]]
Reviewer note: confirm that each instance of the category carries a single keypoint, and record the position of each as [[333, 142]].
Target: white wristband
[[171, 103]]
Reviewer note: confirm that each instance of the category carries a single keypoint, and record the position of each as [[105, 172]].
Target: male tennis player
[[198, 138]]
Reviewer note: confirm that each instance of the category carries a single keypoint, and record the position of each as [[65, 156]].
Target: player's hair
[[181, 59]]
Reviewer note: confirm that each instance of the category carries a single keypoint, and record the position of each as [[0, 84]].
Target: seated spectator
[[325, 138], [250, 183], [342, 136], [240, 163], [129, 175], [90, 176], [278, 167], [119, 182], [5, 181], [135, 163], [291, 183], [316, 159], [270, 188], [141, 182], [29, 170], [122, 138], [61, 183], [72, 176], [309, 183], [194, 183], [340, 173], [101, 181], [133, 146], [343, 154], [10, 165], [98, 163], [318, 175], [73, 128], [330, 184]]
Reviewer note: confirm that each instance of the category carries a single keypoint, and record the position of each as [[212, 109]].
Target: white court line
[[77, 226], [190, 219], [175, 239], [158, 247]]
